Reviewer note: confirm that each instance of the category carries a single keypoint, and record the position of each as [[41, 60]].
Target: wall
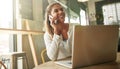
[[26, 9]]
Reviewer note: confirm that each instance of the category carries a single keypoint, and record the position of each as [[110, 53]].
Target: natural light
[[83, 17], [111, 13], [6, 14]]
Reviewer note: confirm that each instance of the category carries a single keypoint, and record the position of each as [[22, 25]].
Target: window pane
[[111, 13], [83, 17], [4, 43], [6, 20]]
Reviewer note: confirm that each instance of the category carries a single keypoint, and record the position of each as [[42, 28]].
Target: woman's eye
[[57, 10], [61, 9]]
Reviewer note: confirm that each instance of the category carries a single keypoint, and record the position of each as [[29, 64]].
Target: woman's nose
[[60, 12]]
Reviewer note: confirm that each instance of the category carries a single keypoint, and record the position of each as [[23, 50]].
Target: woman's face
[[57, 11]]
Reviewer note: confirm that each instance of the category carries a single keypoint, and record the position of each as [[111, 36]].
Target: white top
[[56, 47]]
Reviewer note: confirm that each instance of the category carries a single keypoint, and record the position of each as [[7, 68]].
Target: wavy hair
[[48, 27]]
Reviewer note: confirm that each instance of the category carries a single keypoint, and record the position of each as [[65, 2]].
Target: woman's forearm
[[52, 46]]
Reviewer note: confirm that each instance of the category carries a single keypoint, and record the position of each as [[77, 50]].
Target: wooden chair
[[13, 57], [42, 55], [2, 65]]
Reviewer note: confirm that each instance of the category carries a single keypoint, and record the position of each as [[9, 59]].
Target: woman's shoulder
[[46, 34], [70, 25]]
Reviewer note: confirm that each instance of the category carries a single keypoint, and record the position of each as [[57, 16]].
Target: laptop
[[94, 44]]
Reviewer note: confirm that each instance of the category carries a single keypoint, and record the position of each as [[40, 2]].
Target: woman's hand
[[64, 34], [64, 31], [57, 27]]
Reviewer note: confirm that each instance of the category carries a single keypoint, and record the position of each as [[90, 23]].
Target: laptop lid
[[94, 44]]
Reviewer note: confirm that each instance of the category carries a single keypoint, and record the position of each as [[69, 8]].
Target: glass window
[[111, 13], [83, 17], [6, 21]]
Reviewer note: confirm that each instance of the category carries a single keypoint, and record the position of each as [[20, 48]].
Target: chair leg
[[3, 65]]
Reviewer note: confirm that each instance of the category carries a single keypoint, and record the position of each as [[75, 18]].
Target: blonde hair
[[48, 27]]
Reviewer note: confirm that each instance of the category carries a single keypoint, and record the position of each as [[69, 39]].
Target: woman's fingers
[[53, 19]]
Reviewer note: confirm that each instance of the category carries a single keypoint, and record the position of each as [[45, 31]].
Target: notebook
[[92, 45]]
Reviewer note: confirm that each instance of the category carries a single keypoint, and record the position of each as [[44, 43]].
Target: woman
[[58, 35]]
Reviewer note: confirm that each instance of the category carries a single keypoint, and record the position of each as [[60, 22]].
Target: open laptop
[[93, 44]]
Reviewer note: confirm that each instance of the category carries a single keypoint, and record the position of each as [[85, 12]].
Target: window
[[111, 13], [83, 17], [80, 19], [6, 21]]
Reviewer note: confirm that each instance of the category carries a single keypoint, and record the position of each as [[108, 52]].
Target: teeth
[[61, 16]]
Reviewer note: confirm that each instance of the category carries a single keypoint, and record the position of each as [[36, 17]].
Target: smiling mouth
[[62, 16]]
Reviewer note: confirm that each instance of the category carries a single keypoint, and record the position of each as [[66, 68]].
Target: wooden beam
[[18, 31], [32, 46]]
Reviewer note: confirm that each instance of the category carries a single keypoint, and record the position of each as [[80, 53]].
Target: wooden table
[[13, 58], [110, 65]]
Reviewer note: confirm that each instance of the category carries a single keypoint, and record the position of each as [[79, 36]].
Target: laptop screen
[[94, 44]]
